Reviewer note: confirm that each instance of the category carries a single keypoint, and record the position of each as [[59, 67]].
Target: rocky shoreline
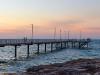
[[75, 67]]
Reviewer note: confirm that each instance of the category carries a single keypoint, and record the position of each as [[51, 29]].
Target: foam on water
[[7, 53]]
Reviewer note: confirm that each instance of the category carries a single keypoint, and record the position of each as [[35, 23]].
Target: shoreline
[[74, 67], [6, 73]]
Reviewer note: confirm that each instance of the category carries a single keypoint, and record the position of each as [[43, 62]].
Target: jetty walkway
[[57, 43]]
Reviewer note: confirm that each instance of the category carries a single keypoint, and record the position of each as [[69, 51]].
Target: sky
[[74, 16]]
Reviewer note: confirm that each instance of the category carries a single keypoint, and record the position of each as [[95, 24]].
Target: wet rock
[[2, 62], [58, 64], [34, 69], [75, 67], [8, 74]]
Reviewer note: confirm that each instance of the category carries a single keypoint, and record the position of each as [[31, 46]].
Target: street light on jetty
[[68, 34], [55, 33], [80, 35], [32, 32]]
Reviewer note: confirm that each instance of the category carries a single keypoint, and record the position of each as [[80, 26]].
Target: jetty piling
[[38, 48], [15, 52], [61, 45], [51, 47], [28, 51], [45, 47]]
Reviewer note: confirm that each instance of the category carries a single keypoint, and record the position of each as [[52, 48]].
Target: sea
[[58, 56]]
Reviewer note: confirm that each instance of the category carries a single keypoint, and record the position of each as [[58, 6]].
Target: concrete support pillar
[[45, 47], [87, 45], [38, 48], [73, 44], [51, 47], [79, 45], [15, 52], [64, 44], [67, 45], [28, 52], [61, 45]]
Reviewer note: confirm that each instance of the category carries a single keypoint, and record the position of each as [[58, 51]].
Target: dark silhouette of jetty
[[57, 43]]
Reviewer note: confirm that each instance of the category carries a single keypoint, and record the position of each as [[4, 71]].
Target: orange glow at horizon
[[44, 29]]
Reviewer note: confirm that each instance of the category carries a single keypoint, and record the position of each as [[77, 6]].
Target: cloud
[[71, 24], [93, 15], [67, 22], [93, 28]]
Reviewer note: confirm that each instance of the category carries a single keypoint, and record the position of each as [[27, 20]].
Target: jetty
[[59, 44]]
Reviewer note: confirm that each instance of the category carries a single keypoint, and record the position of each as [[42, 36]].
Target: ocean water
[[7, 54]]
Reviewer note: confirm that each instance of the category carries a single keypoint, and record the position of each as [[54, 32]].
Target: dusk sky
[[16, 17]]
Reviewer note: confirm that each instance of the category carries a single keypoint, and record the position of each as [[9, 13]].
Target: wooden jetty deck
[[58, 43]]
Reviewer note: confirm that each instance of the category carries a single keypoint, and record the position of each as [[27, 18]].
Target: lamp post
[[60, 34], [55, 33], [68, 34], [80, 35], [32, 32], [65, 34]]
